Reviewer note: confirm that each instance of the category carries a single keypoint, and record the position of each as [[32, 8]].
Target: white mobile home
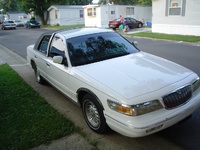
[[66, 15], [176, 17], [100, 15], [17, 16]]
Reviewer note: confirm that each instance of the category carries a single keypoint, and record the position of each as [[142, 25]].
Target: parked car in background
[[32, 24], [18, 23], [131, 22], [107, 77], [8, 24]]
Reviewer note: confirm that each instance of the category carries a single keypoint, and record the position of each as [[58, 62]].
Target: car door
[[40, 55], [127, 22], [133, 23], [58, 74]]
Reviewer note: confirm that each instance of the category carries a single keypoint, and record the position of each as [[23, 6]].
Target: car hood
[[136, 74]]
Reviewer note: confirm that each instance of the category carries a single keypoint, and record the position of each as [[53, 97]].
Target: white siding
[[93, 21], [189, 24], [67, 16], [103, 14], [70, 17], [52, 18]]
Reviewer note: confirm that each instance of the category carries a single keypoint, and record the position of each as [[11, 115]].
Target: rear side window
[[44, 44]]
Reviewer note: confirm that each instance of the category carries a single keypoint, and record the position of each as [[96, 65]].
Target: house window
[[175, 7], [112, 12], [91, 11], [129, 10], [81, 14]]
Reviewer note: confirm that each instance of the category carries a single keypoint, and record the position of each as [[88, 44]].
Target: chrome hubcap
[[92, 114]]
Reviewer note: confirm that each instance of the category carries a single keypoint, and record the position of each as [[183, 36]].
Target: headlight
[[135, 110], [196, 85]]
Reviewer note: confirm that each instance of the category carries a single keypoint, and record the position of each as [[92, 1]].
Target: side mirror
[[135, 43], [58, 59]]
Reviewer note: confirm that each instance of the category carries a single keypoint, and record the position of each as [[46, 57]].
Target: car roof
[[70, 33]]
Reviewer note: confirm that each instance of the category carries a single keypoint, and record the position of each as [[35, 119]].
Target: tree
[[145, 2], [40, 6], [127, 2], [10, 5]]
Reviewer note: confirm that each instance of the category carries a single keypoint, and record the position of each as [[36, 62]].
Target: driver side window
[[57, 47]]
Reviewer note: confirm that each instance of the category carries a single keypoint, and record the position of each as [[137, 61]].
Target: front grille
[[178, 97]]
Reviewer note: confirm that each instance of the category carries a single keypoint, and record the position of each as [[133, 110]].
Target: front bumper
[[153, 122], [9, 27]]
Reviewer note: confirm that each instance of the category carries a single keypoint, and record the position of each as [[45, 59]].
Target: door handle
[[35, 56], [47, 64]]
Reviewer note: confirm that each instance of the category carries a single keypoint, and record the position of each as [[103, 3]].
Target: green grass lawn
[[168, 36], [26, 119], [64, 27]]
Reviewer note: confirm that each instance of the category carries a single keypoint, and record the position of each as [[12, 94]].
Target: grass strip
[[64, 27], [184, 38], [26, 119]]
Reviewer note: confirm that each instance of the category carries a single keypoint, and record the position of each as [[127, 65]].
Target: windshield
[[34, 22], [97, 47], [9, 22]]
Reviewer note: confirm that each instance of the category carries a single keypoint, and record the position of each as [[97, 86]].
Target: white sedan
[[116, 85]]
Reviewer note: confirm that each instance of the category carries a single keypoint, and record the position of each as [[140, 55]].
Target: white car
[[8, 24], [116, 85], [18, 23]]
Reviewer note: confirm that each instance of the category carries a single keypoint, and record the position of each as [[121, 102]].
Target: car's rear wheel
[[93, 114], [39, 78]]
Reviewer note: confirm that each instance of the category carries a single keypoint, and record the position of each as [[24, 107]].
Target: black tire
[[139, 25], [93, 114], [38, 77]]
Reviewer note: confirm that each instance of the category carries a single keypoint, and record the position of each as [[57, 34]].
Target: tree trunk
[[44, 18]]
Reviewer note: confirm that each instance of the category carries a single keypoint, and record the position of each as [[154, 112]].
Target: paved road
[[181, 136]]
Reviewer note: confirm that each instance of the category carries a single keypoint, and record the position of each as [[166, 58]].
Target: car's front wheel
[[93, 114]]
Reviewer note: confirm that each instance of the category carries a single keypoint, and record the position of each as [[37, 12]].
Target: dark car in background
[[18, 23], [8, 24], [32, 24], [131, 22]]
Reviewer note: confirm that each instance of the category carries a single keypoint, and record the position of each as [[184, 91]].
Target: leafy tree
[[38, 6], [127, 2], [10, 5], [145, 2]]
